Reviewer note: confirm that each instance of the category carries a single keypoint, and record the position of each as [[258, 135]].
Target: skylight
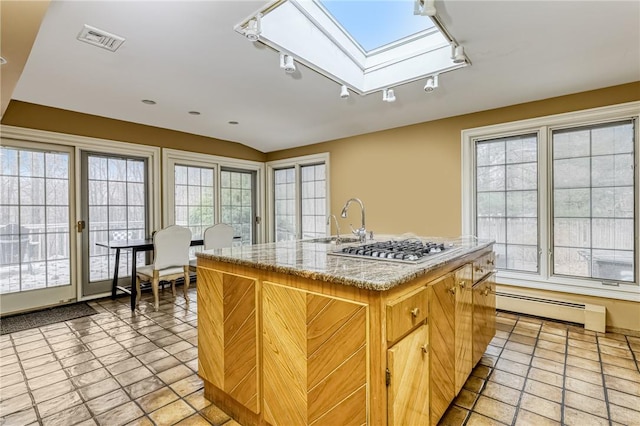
[[374, 24], [366, 45]]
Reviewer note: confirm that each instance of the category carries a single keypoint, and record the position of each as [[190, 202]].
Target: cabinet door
[[442, 345], [484, 316], [408, 392], [314, 358], [463, 326], [227, 335], [490, 309]]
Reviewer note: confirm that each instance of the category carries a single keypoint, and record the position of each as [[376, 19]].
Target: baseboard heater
[[592, 316]]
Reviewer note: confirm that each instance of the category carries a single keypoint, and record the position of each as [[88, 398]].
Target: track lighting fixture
[[457, 54], [344, 92], [388, 95], [432, 83], [253, 29], [424, 7], [287, 63]]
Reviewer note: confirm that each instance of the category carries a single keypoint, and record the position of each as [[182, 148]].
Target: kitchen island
[[291, 334]]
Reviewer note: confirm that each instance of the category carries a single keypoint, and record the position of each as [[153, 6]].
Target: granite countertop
[[309, 259]]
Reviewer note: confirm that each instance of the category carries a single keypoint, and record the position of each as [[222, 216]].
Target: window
[[299, 197], [208, 189], [558, 195]]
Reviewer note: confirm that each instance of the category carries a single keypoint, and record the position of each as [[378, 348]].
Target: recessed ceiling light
[[148, 102], [233, 122], [2, 60], [194, 112]]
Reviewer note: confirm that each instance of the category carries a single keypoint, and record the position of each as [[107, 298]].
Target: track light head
[[425, 8], [458, 55], [253, 29], [431, 84], [287, 63], [344, 92], [388, 95]]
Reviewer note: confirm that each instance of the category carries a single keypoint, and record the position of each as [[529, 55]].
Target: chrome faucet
[[335, 220], [362, 231]]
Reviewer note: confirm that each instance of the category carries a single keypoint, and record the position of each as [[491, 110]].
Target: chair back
[[219, 235], [171, 247]]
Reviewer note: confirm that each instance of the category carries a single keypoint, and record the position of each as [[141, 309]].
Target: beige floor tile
[[144, 387], [521, 338], [589, 346], [507, 379], [172, 413], [555, 338], [108, 401], [616, 352], [136, 341], [618, 361], [573, 417], [501, 393], [34, 353], [556, 347], [141, 421], [545, 376], [583, 363], [624, 399], [78, 413], [97, 389], [547, 364], [15, 404], [581, 335], [8, 392], [214, 414], [197, 400], [550, 355], [120, 415], [620, 372], [624, 415], [12, 368], [584, 375], [481, 371], [195, 420], [90, 377], [476, 419], [512, 367], [157, 399], [174, 374], [622, 385], [24, 417], [614, 340], [465, 399], [495, 409], [585, 403], [77, 359], [155, 355], [189, 354], [519, 347], [12, 379], [527, 418], [188, 385], [134, 375], [585, 388], [83, 368], [584, 353], [454, 416], [52, 391], [35, 344], [487, 360], [163, 364], [516, 356], [541, 406], [57, 404], [143, 348], [543, 390]]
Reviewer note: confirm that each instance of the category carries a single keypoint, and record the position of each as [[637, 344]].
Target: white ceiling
[[186, 56]]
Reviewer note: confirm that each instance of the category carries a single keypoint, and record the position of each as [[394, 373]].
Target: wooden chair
[[219, 235], [171, 261]]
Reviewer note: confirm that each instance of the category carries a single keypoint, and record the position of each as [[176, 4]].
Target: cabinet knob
[[478, 268], [452, 290], [463, 284], [491, 262], [425, 348], [486, 291], [415, 312]]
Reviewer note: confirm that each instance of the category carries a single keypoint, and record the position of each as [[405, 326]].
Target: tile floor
[[115, 368]]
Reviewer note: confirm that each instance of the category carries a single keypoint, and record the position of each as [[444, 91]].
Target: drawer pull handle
[[479, 268], [486, 291], [463, 284], [425, 348], [491, 262], [415, 312], [452, 290]]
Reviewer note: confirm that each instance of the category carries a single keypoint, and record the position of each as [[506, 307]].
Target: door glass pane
[[507, 199], [313, 197], [285, 204], [194, 198], [34, 218], [237, 202], [593, 202], [116, 195]]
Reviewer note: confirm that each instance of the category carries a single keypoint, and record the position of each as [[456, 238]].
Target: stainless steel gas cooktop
[[405, 251]]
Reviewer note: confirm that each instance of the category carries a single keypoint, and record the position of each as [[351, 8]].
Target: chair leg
[[187, 280], [154, 286], [173, 288], [138, 292]]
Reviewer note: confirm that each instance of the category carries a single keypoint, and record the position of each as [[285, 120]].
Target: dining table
[[136, 246]]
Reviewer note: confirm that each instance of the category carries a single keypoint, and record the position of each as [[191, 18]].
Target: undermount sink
[[332, 240]]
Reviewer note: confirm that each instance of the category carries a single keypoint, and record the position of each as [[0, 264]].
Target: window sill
[[630, 292]]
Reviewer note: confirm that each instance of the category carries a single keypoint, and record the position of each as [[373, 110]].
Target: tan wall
[[32, 116]]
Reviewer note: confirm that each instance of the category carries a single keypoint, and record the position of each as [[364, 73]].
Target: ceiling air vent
[[100, 38]]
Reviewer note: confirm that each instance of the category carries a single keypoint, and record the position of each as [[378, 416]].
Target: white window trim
[[543, 126], [84, 143], [295, 162], [171, 157]]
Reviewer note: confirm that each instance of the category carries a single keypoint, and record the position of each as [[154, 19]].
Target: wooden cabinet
[[463, 326], [314, 358], [228, 335], [406, 312], [442, 344], [484, 315], [408, 368]]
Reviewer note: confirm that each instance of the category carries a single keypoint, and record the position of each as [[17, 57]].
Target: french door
[[114, 207], [37, 235]]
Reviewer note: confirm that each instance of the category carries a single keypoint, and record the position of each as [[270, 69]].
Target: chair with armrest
[[219, 235], [171, 261]]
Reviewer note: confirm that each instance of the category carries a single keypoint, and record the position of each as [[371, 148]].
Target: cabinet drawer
[[406, 312], [483, 266]]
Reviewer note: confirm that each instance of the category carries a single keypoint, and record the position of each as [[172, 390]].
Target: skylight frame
[[338, 57]]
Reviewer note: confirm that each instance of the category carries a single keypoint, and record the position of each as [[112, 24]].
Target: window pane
[[507, 200], [285, 208], [237, 202], [194, 200], [593, 202], [313, 203]]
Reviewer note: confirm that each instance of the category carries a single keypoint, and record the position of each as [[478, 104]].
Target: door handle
[[80, 225]]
